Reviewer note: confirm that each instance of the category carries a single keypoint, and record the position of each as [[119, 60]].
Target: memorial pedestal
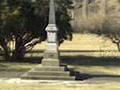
[[48, 73], [50, 69]]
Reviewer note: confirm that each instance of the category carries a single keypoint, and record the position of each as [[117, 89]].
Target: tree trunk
[[18, 52], [6, 53], [74, 21], [5, 50], [85, 9], [17, 56], [103, 7], [118, 46]]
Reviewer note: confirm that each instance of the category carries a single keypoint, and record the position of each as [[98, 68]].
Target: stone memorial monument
[[50, 69]]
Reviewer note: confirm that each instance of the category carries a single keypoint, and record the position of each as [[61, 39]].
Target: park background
[[89, 52]]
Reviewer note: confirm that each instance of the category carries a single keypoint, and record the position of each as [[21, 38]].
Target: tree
[[111, 29], [63, 20], [24, 22], [103, 7], [85, 9], [4, 36]]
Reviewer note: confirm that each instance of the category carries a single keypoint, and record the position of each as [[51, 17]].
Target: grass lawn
[[16, 66], [8, 86], [109, 70], [14, 70], [105, 71], [95, 83]]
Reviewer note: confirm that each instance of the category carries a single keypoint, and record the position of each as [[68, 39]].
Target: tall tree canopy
[[24, 22]]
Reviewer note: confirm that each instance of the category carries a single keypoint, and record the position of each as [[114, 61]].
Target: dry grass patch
[[109, 70], [16, 66], [8, 86]]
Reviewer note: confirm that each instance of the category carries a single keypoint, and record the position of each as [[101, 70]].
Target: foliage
[[111, 29], [108, 26], [24, 22], [91, 25], [97, 23], [63, 19]]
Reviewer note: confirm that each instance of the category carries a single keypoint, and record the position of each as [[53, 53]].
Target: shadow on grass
[[81, 60], [84, 61], [82, 76], [90, 61], [32, 60]]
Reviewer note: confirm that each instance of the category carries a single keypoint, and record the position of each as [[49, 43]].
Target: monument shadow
[[80, 60], [83, 60]]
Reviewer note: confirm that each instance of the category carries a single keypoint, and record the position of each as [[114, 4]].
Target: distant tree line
[[100, 17]]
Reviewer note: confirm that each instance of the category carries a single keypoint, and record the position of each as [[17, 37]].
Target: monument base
[[44, 72], [50, 69], [51, 55]]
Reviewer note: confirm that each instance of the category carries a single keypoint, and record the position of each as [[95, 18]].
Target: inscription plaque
[[51, 36]]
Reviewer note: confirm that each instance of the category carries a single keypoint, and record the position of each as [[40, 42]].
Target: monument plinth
[[50, 69], [51, 54]]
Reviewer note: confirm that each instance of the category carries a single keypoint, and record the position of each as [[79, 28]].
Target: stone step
[[49, 73], [50, 62], [50, 69], [39, 77]]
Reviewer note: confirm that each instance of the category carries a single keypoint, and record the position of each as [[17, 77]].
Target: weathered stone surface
[[51, 28], [48, 68], [48, 73], [51, 55], [36, 77], [50, 62], [52, 19]]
